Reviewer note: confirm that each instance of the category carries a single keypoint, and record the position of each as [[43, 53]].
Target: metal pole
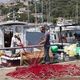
[[61, 36], [28, 10], [14, 17], [42, 9], [49, 11], [76, 15], [35, 15]]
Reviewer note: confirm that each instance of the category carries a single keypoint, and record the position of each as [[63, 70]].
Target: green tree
[[22, 17]]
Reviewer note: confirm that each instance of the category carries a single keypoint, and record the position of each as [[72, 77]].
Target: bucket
[[54, 49]]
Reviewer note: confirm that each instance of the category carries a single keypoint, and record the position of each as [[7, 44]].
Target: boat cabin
[[66, 34], [9, 28]]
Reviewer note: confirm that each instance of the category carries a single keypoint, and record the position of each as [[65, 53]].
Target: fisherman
[[15, 42], [46, 43]]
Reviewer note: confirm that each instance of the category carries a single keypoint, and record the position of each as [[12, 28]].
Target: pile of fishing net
[[45, 71]]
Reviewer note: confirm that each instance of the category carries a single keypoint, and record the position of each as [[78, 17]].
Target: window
[[70, 34], [54, 36]]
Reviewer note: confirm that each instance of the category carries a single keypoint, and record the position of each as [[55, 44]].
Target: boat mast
[[28, 10], [42, 9], [14, 17], [76, 13], [35, 13], [49, 11]]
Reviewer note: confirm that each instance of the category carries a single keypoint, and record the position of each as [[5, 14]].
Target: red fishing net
[[45, 71]]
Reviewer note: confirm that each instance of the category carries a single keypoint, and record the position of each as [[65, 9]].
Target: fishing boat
[[65, 30], [8, 28], [29, 34]]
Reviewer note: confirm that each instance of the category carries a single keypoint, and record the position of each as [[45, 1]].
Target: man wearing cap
[[46, 42]]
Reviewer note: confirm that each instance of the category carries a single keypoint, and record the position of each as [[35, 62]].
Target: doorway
[[7, 38]]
